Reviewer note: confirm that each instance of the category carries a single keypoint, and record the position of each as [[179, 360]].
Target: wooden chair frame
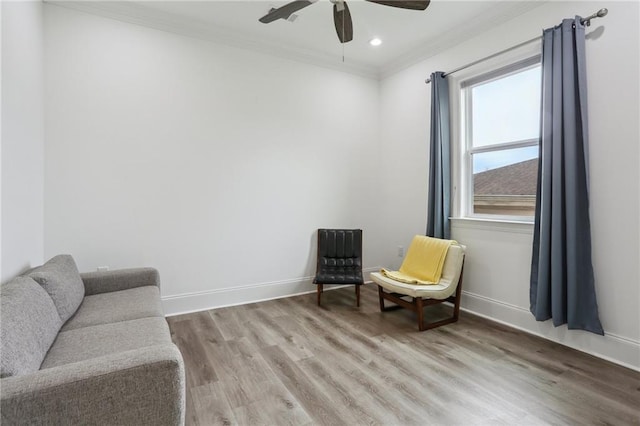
[[417, 305], [320, 290]]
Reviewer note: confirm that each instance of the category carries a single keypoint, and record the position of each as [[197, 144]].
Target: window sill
[[501, 225]]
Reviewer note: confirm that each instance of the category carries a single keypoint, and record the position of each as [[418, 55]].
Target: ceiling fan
[[341, 14]]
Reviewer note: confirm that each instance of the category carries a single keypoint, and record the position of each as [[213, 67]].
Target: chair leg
[[418, 304], [319, 293], [420, 312], [456, 305], [358, 295]]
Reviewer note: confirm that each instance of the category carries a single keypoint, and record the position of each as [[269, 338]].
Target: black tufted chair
[[339, 259]]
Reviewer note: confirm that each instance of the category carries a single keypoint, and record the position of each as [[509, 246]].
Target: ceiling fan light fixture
[[341, 14]]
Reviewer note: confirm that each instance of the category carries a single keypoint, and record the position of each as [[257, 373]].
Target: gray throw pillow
[[61, 279], [29, 323]]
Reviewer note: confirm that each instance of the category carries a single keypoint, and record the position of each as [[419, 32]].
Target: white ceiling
[[408, 35]]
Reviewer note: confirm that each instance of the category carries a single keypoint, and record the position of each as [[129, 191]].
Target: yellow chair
[[416, 296]]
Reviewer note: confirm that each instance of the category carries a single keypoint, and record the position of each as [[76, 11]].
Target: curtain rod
[[585, 21]]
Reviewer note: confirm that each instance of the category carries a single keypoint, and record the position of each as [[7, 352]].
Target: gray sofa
[[86, 349]]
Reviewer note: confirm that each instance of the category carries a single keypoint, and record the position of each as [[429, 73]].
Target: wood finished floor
[[288, 362]]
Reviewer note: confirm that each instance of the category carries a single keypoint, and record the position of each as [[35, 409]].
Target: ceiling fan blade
[[342, 21], [285, 11], [404, 4]]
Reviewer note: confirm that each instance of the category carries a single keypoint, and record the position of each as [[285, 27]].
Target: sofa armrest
[[143, 387], [119, 279]]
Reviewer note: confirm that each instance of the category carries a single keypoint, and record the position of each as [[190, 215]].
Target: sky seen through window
[[506, 110]]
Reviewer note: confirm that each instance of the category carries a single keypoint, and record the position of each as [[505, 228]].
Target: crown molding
[[138, 14], [480, 24]]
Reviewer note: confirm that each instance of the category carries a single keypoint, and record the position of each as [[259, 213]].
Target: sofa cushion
[[115, 306], [29, 323], [99, 340], [61, 279]]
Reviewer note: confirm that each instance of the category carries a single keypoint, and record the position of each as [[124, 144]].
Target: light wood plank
[[301, 387], [211, 405], [199, 370], [288, 361], [277, 407]]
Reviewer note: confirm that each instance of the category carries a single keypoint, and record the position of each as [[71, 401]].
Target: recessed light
[[375, 42]]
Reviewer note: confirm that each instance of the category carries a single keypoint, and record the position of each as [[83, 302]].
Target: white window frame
[[462, 137]]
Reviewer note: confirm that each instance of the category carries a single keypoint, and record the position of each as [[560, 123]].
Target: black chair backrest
[[340, 243], [339, 256]]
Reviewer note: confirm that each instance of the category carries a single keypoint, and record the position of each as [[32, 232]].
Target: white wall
[[214, 164], [22, 138], [498, 263]]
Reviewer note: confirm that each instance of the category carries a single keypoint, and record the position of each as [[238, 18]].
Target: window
[[501, 127]]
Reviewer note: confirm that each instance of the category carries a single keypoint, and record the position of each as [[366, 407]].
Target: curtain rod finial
[[599, 14]]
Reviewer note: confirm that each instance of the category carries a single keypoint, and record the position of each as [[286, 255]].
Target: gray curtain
[[562, 284], [439, 195]]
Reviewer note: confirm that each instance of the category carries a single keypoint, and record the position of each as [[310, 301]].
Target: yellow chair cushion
[[444, 288], [424, 261]]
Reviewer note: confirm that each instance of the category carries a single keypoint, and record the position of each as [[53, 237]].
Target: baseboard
[[232, 296], [617, 349]]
